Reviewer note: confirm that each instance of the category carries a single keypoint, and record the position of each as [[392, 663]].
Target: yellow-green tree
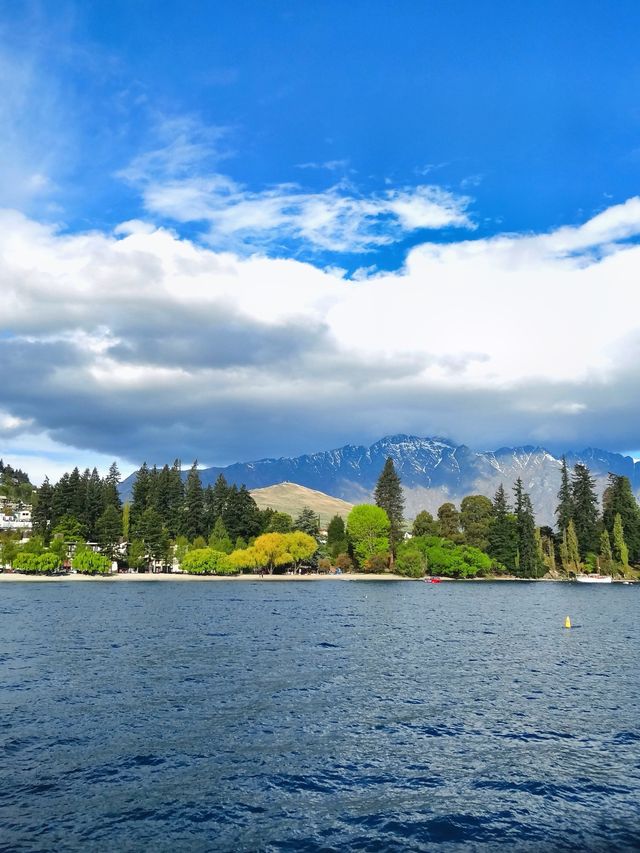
[[300, 545], [272, 551]]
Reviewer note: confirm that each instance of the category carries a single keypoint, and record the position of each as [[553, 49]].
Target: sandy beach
[[15, 577]]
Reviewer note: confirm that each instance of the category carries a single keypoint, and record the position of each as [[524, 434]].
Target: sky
[[259, 228]]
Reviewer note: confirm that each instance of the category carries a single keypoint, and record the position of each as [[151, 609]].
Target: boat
[[432, 580], [593, 578]]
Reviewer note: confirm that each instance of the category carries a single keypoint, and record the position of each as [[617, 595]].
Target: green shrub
[[410, 562]]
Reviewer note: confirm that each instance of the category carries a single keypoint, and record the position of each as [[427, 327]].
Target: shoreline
[[144, 577]]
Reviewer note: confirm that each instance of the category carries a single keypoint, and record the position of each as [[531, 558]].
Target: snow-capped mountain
[[433, 470]]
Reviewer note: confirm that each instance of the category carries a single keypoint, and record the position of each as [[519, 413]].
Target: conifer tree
[[140, 495], [336, 536], [193, 521], [606, 554], [219, 539], [241, 515], [43, 511], [620, 550], [109, 530], [307, 522], [564, 510], [569, 550], [503, 532], [618, 498], [585, 510], [389, 497], [94, 503], [111, 483], [529, 563]]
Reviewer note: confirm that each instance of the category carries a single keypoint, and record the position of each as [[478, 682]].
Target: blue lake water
[[319, 716]]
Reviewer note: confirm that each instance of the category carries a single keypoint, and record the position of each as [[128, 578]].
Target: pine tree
[[241, 515], [111, 483], [564, 510], [618, 499], [216, 500], [94, 503], [570, 549], [503, 532], [219, 539], [109, 530], [620, 550], [389, 497], [585, 510], [606, 554], [336, 536], [307, 521], [43, 511], [529, 563], [193, 522], [140, 495]]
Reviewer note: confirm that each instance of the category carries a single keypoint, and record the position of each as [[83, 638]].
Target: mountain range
[[433, 470]]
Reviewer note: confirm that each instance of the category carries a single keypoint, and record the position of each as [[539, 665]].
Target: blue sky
[[280, 173]]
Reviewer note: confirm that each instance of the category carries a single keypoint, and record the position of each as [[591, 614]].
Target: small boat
[[593, 578], [432, 580]]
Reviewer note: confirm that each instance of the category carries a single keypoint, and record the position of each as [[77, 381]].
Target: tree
[[389, 497], [126, 520], [620, 550], [425, 525], [564, 510], [140, 494], [219, 539], [606, 554], [93, 503], [336, 536], [271, 551], [618, 499], [300, 546], [307, 522], [502, 537], [108, 529], [241, 515], [152, 534], [529, 561], [280, 522], [88, 563], [410, 562], [476, 515], [368, 527], [69, 529], [207, 561], [569, 550], [42, 512], [216, 500], [111, 483], [193, 521], [585, 509], [449, 519]]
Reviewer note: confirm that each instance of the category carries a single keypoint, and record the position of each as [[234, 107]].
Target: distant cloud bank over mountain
[[433, 470]]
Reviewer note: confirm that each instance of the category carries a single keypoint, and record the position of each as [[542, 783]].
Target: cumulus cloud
[[141, 344]]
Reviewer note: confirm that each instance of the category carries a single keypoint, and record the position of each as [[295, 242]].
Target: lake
[[319, 716]]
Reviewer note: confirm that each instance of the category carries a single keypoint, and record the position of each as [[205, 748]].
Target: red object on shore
[[434, 580]]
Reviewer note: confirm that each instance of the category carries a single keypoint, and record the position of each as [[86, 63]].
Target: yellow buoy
[[567, 622]]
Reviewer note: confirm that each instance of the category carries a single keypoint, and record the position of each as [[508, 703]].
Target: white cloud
[[145, 344], [179, 180]]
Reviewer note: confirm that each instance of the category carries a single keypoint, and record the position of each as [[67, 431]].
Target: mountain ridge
[[433, 470]]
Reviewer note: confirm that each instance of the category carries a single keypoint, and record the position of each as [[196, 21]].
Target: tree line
[[220, 529]]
